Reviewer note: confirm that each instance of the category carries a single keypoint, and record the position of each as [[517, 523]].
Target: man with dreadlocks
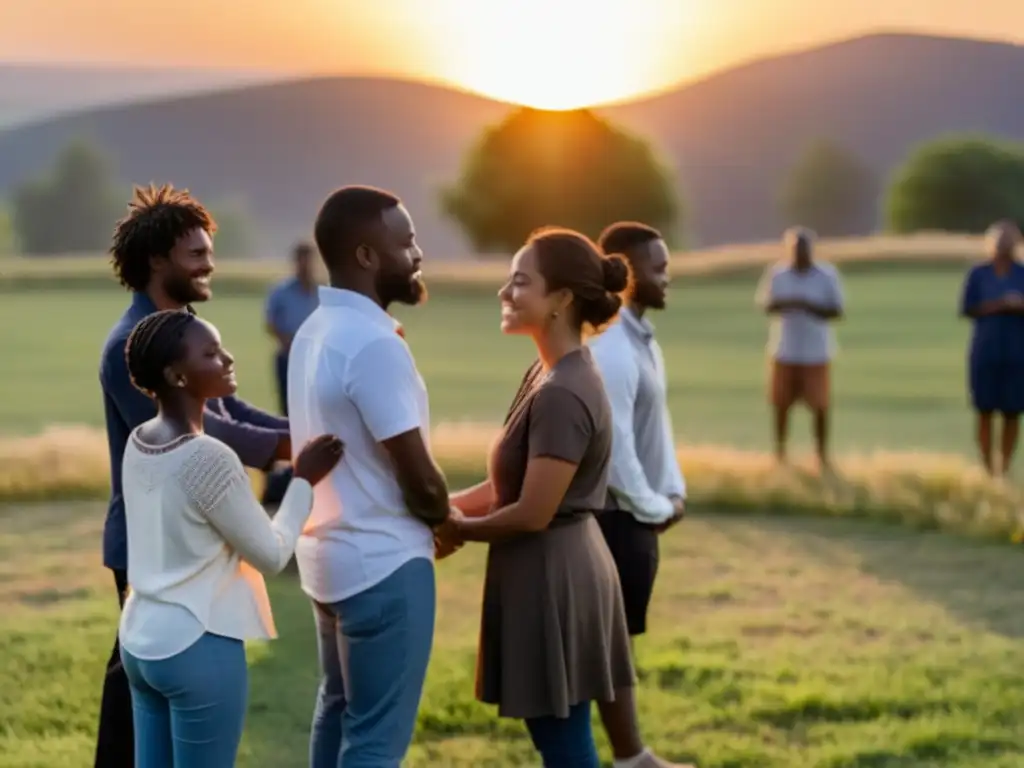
[[162, 252]]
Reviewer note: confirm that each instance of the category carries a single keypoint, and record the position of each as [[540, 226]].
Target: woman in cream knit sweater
[[198, 544]]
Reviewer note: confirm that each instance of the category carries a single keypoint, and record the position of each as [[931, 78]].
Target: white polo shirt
[[350, 374]]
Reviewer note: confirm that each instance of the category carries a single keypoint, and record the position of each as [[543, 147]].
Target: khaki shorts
[[791, 383]]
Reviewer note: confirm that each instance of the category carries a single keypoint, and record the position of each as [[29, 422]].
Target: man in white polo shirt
[[802, 297], [366, 555]]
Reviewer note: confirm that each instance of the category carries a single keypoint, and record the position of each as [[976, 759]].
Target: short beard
[[405, 290], [180, 291], [648, 296]]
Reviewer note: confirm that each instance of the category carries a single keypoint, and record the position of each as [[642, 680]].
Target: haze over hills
[[735, 135], [30, 92], [731, 137]]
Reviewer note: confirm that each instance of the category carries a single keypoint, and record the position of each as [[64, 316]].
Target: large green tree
[[958, 184], [572, 169], [71, 209], [831, 191]]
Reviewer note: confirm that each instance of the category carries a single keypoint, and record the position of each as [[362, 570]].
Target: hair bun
[[600, 311], [615, 271]]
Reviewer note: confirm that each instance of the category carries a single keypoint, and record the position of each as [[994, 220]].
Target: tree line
[[579, 170], [73, 208]]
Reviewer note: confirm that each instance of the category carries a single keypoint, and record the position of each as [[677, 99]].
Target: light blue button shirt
[[644, 473], [289, 304]]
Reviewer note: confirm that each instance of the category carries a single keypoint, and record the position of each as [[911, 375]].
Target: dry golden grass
[[925, 490], [63, 462], [924, 247]]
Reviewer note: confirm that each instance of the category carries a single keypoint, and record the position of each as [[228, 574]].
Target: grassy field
[[776, 642], [899, 380]]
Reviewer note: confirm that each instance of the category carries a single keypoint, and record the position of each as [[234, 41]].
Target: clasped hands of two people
[[448, 537], [320, 455]]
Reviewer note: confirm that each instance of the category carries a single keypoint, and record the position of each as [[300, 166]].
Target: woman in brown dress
[[553, 634]]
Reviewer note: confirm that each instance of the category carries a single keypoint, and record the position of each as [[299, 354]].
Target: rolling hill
[[731, 136], [33, 92]]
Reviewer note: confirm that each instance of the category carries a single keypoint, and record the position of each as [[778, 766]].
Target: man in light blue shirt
[[289, 304], [646, 486]]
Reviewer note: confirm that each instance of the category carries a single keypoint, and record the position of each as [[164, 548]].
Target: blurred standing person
[[993, 299], [646, 487], [162, 252], [802, 296], [289, 303]]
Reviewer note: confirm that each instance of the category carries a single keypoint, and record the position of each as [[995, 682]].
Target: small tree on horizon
[[8, 243], [830, 190], [73, 208], [236, 236], [572, 169], [957, 184]]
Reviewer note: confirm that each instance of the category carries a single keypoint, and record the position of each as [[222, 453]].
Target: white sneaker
[[651, 760]]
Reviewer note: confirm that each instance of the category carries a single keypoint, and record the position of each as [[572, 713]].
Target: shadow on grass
[[977, 582], [282, 683], [974, 582]]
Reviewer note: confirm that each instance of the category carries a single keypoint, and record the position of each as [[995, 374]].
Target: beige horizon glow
[[547, 53]]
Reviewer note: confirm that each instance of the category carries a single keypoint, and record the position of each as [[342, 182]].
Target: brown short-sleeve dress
[[553, 632]]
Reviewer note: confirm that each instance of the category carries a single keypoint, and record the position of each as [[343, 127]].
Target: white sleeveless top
[[198, 541]]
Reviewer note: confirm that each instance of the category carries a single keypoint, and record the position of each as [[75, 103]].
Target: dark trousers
[[634, 548], [115, 743], [278, 479], [281, 376]]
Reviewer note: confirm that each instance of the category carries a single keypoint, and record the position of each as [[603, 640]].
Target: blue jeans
[[565, 742], [374, 648], [189, 710]]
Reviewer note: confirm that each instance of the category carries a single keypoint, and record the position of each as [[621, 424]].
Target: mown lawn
[[776, 642], [899, 378]]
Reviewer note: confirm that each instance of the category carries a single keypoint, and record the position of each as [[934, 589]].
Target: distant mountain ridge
[[731, 137], [33, 92]]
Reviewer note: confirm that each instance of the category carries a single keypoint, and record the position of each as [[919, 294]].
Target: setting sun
[[562, 54]]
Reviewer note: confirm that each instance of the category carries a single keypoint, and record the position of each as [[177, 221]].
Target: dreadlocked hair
[[156, 342], [157, 218]]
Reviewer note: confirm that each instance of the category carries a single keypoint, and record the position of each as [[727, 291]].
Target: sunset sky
[[548, 53]]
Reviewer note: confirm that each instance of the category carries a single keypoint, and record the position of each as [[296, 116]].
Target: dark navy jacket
[[253, 434]]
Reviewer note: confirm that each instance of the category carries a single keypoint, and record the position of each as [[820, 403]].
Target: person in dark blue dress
[[993, 298]]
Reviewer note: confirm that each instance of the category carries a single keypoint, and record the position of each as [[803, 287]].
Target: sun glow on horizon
[[564, 54]]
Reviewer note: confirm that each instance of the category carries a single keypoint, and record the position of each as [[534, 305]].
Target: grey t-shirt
[[797, 336], [563, 414]]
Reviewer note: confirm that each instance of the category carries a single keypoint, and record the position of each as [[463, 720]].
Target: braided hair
[[156, 342]]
